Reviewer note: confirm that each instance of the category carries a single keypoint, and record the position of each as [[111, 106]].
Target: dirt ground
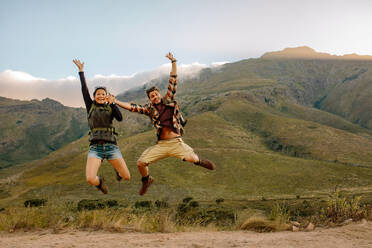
[[352, 235]]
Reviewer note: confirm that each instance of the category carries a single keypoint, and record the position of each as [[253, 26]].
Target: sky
[[39, 38]]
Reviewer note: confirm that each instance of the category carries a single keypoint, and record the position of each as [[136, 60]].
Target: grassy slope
[[246, 169], [339, 87], [238, 121], [32, 129], [309, 139], [351, 98]]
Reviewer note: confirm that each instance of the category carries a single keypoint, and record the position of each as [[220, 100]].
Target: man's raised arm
[[172, 86], [132, 107]]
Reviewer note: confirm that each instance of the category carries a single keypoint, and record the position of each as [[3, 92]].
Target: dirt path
[[353, 235]]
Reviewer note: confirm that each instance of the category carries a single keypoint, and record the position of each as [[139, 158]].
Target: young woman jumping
[[101, 112], [165, 115]]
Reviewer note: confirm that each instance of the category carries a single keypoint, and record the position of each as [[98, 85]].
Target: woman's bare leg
[[121, 167], [92, 167]]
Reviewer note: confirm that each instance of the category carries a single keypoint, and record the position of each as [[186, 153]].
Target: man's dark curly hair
[[153, 88]]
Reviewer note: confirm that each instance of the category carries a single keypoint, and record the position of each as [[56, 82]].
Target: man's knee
[[193, 158], [141, 164]]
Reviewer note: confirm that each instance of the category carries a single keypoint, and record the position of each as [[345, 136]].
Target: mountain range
[[275, 125], [32, 129]]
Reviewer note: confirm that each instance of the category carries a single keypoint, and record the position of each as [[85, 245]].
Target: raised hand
[[170, 57], [110, 99], [79, 64]]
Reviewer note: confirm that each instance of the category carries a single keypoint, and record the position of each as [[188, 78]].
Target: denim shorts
[[105, 151]]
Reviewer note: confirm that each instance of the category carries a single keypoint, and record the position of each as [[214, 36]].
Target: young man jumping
[[165, 115]]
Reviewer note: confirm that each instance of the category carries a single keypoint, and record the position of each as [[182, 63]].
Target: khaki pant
[[166, 148]]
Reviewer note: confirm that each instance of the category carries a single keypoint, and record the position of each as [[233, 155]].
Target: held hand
[[170, 57], [79, 64], [110, 99]]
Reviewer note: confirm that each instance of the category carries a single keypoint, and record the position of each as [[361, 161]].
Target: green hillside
[[32, 129], [338, 85], [255, 118], [314, 159], [299, 138]]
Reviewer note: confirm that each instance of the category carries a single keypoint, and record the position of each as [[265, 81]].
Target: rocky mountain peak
[[305, 52]]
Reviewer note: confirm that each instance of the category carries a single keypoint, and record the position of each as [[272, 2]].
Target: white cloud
[[21, 85], [19, 76], [216, 64], [71, 78], [99, 76]]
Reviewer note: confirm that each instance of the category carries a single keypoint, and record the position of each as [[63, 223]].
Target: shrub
[[35, 202], [90, 204], [194, 204], [112, 203], [275, 144], [96, 204], [187, 199], [339, 209], [186, 206], [161, 204], [143, 204], [280, 212], [191, 213], [219, 216], [305, 208]]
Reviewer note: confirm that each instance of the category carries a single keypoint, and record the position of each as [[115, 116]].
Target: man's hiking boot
[[117, 176], [102, 185], [145, 185], [206, 164]]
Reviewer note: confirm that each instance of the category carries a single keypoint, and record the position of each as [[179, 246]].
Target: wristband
[[173, 76], [174, 61]]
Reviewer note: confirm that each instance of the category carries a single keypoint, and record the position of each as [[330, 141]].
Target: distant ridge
[[305, 52], [33, 129]]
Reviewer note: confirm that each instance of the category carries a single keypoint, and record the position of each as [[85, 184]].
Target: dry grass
[[63, 217], [183, 217], [340, 208], [369, 215], [262, 224]]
